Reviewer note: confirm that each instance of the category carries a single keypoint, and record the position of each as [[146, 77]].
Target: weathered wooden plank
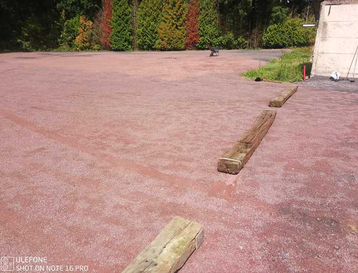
[[235, 159], [170, 249], [283, 97]]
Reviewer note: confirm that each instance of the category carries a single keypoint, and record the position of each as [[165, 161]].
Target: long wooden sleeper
[[283, 97], [235, 159]]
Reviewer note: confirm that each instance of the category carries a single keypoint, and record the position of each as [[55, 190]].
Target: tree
[[39, 24], [279, 15], [209, 29], [149, 17], [79, 7], [288, 34], [121, 38], [259, 19], [172, 31], [84, 40], [234, 16], [192, 25], [106, 24], [69, 32]]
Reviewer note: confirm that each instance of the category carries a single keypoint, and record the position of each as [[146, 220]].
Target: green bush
[[39, 33], [96, 47], [172, 29], [289, 34], [279, 15], [209, 29], [228, 41], [287, 69], [78, 34], [121, 38], [86, 39], [241, 43], [32, 34], [78, 7], [69, 33], [149, 17]]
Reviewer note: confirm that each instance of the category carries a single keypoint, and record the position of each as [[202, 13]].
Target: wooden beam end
[[229, 166], [170, 249], [283, 97]]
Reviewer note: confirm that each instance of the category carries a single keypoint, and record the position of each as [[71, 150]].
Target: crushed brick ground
[[98, 151]]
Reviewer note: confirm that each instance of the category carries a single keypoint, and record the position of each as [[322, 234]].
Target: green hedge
[[70, 32], [290, 33], [121, 38], [209, 29], [149, 17], [172, 30]]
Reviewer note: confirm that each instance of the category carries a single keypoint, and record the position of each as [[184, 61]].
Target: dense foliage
[[290, 33], [192, 25], [86, 38], [149, 17], [70, 32], [79, 7], [153, 24], [106, 24], [287, 69], [172, 31], [121, 37], [209, 29]]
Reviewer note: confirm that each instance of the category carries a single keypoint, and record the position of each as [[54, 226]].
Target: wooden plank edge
[[280, 100], [235, 165], [229, 165], [169, 251]]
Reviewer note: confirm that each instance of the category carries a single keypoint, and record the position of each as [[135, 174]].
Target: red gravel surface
[[98, 151]]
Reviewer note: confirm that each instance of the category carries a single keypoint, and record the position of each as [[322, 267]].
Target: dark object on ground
[[258, 79], [283, 97], [235, 159], [214, 51]]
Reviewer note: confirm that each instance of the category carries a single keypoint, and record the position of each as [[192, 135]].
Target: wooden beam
[[235, 159], [283, 97], [170, 249]]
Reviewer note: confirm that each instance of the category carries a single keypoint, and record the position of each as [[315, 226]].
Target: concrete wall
[[337, 39]]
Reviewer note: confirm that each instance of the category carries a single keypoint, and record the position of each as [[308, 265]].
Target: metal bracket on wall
[[330, 6]]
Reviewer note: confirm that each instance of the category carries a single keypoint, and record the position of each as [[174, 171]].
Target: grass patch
[[287, 69]]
